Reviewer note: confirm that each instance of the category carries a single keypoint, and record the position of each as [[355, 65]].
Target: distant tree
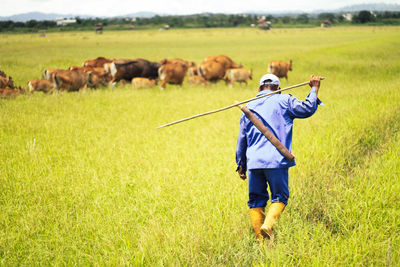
[[364, 16], [340, 18], [78, 20], [388, 15], [20, 24], [286, 20], [269, 17], [31, 23], [234, 20], [205, 22], [7, 24], [48, 24], [303, 18], [327, 16]]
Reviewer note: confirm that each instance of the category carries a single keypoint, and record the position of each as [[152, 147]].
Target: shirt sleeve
[[241, 146], [306, 108]]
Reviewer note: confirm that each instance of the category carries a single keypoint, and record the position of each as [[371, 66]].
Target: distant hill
[[371, 7], [52, 16], [145, 14], [39, 16]]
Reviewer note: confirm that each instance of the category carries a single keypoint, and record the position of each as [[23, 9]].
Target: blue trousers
[[261, 179]]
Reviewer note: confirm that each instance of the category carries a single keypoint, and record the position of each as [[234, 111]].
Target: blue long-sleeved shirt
[[277, 112]]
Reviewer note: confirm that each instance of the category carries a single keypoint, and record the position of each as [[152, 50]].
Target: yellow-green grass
[[85, 179]]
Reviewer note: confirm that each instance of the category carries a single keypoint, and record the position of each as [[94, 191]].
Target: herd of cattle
[[141, 73]]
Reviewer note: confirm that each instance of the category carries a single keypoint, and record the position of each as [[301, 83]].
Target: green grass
[[86, 179]]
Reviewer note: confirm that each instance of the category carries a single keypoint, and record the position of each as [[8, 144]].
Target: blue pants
[[260, 179]]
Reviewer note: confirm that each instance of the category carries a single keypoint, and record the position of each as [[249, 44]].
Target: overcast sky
[[121, 7]]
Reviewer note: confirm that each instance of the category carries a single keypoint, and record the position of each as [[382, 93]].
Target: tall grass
[[85, 179]]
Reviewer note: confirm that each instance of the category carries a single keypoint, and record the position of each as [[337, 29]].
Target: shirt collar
[[264, 92]]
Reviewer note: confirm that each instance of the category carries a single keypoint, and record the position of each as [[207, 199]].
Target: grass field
[[86, 179]]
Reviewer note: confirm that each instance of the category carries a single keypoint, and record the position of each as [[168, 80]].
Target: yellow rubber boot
[[274, 212], [257, 218]]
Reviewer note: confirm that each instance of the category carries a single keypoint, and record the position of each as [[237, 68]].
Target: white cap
[[269, 79]]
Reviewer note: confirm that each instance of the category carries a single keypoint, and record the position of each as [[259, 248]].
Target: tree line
[[206, 21]]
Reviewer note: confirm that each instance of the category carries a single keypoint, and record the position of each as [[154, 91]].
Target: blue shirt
[[277, 113]]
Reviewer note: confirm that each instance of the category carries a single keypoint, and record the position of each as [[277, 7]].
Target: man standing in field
[[266, 165]]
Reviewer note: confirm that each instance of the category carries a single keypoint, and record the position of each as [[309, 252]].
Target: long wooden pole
[[232, 106]]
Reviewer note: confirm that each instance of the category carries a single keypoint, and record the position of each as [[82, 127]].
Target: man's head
[[269, 81]]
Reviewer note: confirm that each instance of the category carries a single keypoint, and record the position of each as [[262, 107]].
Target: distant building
[[326, 24], [348, 16], [99, 28], [64, 22], [263, 24]]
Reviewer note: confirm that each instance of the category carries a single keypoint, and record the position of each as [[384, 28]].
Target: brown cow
[[280, 68], [72, 80], [48, 74], [99, 75], [172, 73], [197, 80], [172, 61], [238, 75], [40, 85], [188, 64], [212, 70], [97, 62], [6, 82], [8, 92], [226, 61], [139, 82]]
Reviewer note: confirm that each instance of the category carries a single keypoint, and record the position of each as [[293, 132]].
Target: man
[[266, 165]]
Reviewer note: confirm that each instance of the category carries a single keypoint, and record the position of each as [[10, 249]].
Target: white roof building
[[63, 22]]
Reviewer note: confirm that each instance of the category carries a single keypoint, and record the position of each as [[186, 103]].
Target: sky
[[178, 7]]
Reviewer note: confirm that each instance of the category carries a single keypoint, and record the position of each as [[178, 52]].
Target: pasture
[[86, 179]]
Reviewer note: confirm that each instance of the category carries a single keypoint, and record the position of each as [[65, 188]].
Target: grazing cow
[[280, 68], [172, 73], [226, 61], [97, 62], [9, 92], [197, 80], [99, 75], [49, 74], [211, 70], [6, 82], [127, 69], [238, 75], [40, 85], [172, 61], [138, 83], [72, 80], [188, 64]]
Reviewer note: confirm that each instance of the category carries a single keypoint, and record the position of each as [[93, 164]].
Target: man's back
[[277, 113]]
